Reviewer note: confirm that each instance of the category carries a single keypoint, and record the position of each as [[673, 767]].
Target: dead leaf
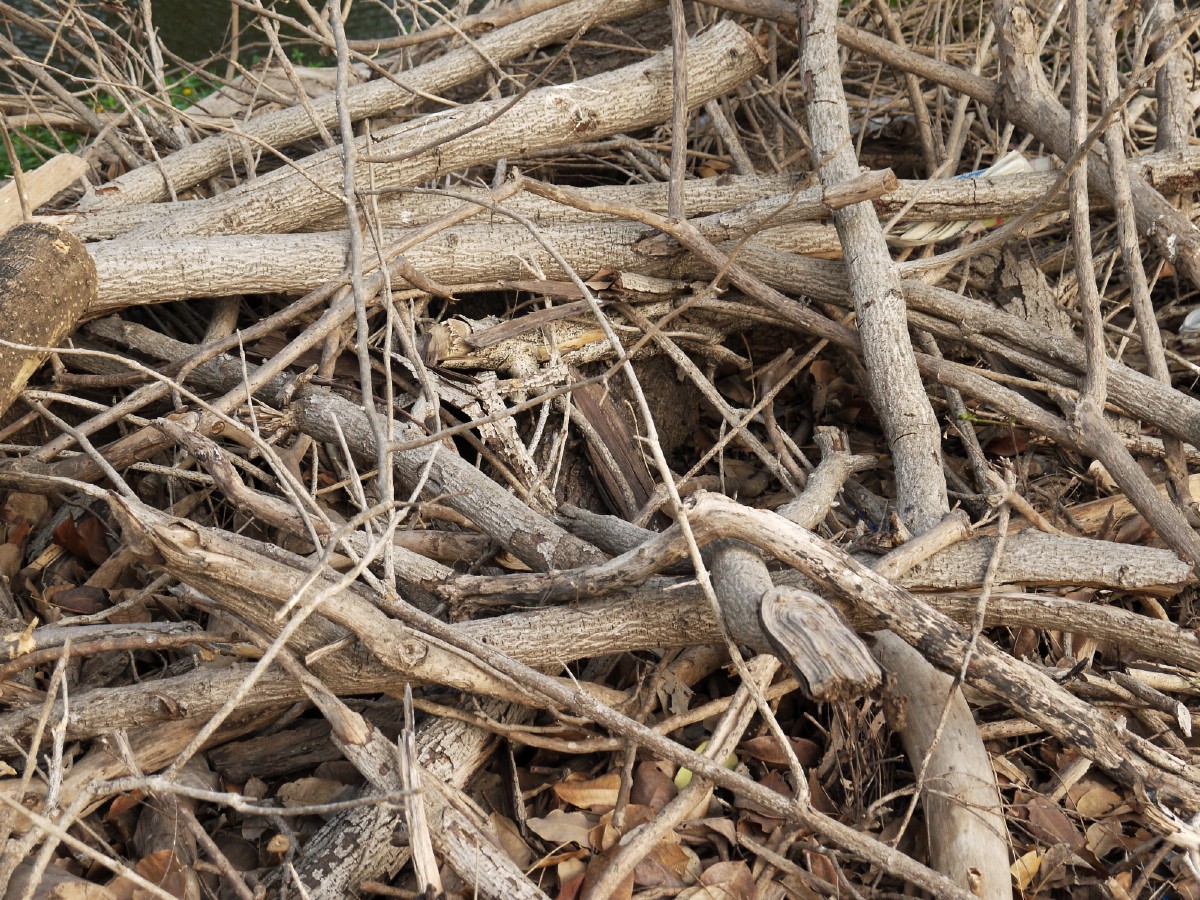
[[85, 538], [711, 168], [821, 866], [1098, 803], [510, 840], [605, 835], [78, 600], [652, 786], [123, 803], [719, 825], [1008, 771], [309, 791], [11, 559], [776, 782], [27, 510], [162, 868], [1011, 442], [570, 887], [766, 748], [595, 794], [560, 827], [1049, 824], [241, 853], [1025, 869], [673, 694], [823, 371], [730, 880], [1104, 837], [595, 870], [56, 884], [668, 865]]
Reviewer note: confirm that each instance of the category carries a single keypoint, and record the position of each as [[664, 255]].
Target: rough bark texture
[[963, 810], [47, 285]]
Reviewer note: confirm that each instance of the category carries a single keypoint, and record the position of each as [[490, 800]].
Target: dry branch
[[485, 351], [47, 284], [630, 98], [383, 96]]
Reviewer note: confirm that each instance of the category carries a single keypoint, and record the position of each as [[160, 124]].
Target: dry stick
[[725, 738], [1024, 690], [833, 664], [954, 307], [18, 180], [528, 535], [978, 620], [1095, 376], [735, 421], [1035, 696], [966, 379], [944, 199], [968, 321], [271, 30], [830, 660], [895, 388], [1095, 431], [379, 97], [672, 492], [54, 786], [16, 852], [1029, 102], [916, 99], [232, 876], [1170, 85], [966, 828], [671, 614], [533, 538], [1127, 236], [633, 97], [357, 844], [742, 164], [77, 106], [991, 330], [960, 125], [975, 86], [377, 759], [159, 540], [380, 424], [645, 558], [679, 108], [222, 324], [667, 476], [1023, 97], [84, 849], [583, 704]]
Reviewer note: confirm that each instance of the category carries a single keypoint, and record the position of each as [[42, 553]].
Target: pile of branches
[[580, 448]]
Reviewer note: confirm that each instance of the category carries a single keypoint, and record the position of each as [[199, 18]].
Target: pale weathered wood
[[632, 97], [179, 268], [379, 97], [40, 186], [160, 270], [944, 199], [967, 833], [1028, 101]]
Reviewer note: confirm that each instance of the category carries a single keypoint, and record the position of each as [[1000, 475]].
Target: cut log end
[[828, 658], [47, 284]]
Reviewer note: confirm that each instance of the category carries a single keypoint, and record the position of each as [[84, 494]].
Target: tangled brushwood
[[600, 448]]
